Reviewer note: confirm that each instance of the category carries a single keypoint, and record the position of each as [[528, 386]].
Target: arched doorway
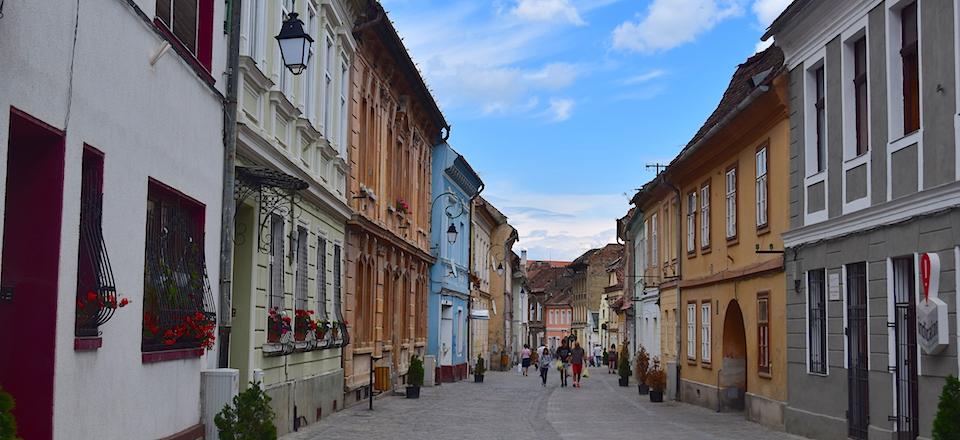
[[733, 369]]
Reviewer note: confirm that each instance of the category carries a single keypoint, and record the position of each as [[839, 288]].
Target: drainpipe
[[470, 271], [225, 314], [676, 191]]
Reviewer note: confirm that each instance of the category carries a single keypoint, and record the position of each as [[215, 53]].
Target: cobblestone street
[[510, 406]]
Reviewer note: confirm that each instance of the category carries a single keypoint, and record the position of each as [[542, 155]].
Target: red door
[[28, 275]]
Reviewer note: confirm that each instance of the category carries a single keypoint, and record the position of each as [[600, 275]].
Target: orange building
[[394, 123]]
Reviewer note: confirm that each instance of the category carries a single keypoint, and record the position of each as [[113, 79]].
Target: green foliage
[[642, 365], [946, 426], [250, 417], [8, 426], [623, 367], [481, 366], [605, 357], [415, 372], [656, 377]]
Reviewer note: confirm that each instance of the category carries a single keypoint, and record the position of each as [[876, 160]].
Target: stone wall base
[[767, 412], [306, 400]]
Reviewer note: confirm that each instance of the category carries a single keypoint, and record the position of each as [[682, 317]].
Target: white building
[[111, 139]]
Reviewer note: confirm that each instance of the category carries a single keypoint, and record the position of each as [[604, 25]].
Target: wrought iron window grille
[[275, 193], [96, 288], [178, 305]]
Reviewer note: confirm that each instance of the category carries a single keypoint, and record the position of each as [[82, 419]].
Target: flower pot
[[624, 381], [413, 392], [478, 378], [656, 396], [644, 389]]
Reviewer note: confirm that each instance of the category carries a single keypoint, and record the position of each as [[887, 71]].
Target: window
[[328, 86], [286, 77], [705, 332], [860, 95], [705, 216], [344, 90], [692, 222], [817, 321], [180, 17], [178, 308], [821, 120], [254, 31], [731, 180], [337, 295], [300, 288], [322, 278], [910, 62], [96, 290], [763, 333], [762, 187], [654, 241], [276, 262], [309, 97], [691, 331]]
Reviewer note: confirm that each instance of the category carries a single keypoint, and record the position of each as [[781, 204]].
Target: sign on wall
[[933, 331], [833, 286]]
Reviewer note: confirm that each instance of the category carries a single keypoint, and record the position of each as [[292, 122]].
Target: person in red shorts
[[576, 358]]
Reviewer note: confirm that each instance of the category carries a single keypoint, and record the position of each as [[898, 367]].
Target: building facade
[[732, 292], [493, 271], [454, 186], [292, 209], [112, 180], [393, 124], [558, 318], [873, 229]]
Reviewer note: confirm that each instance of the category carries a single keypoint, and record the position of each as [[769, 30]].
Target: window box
[[171, 355], [87, 344]]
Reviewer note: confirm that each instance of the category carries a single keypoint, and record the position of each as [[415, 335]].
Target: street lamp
[[294, 44], [452, 234]]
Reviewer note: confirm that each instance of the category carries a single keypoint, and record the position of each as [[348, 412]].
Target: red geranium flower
[[91, 296]]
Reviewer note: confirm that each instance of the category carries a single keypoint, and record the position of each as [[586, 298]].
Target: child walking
[[545, 360]]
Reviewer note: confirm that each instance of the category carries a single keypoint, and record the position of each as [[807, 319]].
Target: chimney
[[523, 258]]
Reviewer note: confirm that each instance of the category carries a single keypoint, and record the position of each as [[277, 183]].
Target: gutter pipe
[[228, 208]]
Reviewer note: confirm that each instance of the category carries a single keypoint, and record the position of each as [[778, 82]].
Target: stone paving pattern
[[509, 406]]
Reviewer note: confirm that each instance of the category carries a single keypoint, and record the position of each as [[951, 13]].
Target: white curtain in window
[[731, 180]]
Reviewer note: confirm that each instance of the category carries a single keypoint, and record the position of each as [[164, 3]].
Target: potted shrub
[[8, 426], [946, 425], [479, 369], [640, 369], [249, 418], [623, 367], [657, 380], [414, 377]]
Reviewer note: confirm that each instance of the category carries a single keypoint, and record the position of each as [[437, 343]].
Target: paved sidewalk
[[512, 407]]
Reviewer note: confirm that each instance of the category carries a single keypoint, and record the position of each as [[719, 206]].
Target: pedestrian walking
[[612, 359], [545, 360], [577, 355], [597, 353], [563, 355], [525, 358]]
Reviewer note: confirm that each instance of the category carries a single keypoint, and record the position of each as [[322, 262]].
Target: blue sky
[[560, 104]]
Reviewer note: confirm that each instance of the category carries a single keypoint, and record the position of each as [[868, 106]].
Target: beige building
[[492, 274]]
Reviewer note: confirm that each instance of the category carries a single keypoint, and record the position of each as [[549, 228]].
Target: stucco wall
[[159, 122]]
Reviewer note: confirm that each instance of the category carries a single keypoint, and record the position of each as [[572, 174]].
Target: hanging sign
[[933, 332]]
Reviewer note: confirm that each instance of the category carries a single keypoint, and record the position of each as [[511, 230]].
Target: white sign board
[[933, 332], [833, 288]]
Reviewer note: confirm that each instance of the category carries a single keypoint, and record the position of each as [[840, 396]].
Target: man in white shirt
[[597, 353]]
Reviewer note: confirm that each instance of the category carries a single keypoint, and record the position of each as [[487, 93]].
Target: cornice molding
[[814, 27]]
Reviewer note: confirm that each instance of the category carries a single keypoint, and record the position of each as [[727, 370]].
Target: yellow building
[[733, 181]]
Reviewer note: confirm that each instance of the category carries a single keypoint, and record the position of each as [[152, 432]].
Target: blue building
[[454, 185]]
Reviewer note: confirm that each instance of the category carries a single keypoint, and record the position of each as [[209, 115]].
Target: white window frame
[[704, 216], [329, 57], [762, 159], [691, 331], [730, 203], [826, 322], [285, 77], [851, 160], [654, 248], [253, 31], [897, 139], [344, 103], [321, 266], [692, 221], [705, 332], [811, 175], [310, 75]]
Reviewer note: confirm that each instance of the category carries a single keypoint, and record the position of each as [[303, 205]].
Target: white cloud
[[769, 10], [560, 109], [553, 76], [644, 77], [547, 11], [558, 226], [671, 23]]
